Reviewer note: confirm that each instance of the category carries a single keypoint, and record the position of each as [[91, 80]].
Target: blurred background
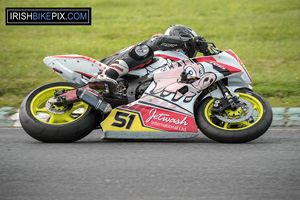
[[264, 34]]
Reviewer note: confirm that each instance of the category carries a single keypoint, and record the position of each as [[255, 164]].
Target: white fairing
[[204, 71], [237, 79], [74, 68]]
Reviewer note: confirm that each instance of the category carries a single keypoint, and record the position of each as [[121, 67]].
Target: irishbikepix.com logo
[[48, 16]]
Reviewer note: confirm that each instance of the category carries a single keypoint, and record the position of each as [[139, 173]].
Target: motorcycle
[[170, 98]]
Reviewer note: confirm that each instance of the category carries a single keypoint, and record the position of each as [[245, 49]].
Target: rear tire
[[72, 123], [240, 132]]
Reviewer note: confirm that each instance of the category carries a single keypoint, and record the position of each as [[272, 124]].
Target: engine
[[130, 88]]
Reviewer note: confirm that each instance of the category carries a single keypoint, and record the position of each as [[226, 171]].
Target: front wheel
[[244, 124], [49, 123]]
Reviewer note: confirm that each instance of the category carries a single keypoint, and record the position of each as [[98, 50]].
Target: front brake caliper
[[223, 111]]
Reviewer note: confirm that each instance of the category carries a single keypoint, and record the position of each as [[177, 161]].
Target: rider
[[177, 37]]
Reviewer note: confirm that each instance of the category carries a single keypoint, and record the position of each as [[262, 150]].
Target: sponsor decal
[[168, 120], [169, 45], [165, 118], [153, 118]]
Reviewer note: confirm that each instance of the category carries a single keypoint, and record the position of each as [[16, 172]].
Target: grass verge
[[264, 34]]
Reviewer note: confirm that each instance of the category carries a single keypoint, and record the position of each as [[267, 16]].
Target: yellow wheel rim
[[41, 113], [257, 114]]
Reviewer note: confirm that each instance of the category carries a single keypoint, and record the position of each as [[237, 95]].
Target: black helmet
[[183, 31]]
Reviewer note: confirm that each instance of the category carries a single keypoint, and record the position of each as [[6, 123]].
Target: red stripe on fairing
[[79, 57], [139, 66], [239, 61], [229, 67], [205, 59], [165, 57], [58, 71], [213, 60], [88, 75]]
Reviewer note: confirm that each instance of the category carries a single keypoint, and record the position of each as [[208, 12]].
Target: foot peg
[[92, 98]]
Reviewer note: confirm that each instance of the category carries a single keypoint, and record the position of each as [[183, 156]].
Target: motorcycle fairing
[[148, 122], [168, 103], [201, 73], [121, 119], [168, 87], [230, 52], [74, 68], [148, 117]]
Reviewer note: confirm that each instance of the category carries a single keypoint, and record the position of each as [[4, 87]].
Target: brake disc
[[243, 113], [55, 109]]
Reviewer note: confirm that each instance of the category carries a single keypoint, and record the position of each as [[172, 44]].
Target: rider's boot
[[106, 80], [103, 82]]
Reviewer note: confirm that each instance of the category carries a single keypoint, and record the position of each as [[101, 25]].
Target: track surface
[[267, 168]]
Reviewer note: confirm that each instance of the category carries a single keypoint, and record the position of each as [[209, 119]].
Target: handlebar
[[207, 48]]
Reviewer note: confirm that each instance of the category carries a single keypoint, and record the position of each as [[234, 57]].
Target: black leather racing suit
[[132, 58]]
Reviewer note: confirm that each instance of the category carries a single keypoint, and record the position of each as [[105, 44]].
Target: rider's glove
[[201, 45]]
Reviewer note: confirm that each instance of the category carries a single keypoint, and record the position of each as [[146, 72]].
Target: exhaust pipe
[[93, 99]]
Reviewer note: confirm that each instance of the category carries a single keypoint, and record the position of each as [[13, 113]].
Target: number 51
[[121, 120]]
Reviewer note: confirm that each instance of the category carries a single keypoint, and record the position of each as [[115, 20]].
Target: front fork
[[228, 101], [85, 94]]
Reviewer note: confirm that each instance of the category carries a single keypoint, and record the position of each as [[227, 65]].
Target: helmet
[[180, 31], [186, 32]]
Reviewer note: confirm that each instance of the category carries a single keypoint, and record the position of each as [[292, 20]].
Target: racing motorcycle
[[170, 98]]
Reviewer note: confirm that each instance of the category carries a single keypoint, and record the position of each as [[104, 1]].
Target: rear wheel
[[49, 123], [251, 120]]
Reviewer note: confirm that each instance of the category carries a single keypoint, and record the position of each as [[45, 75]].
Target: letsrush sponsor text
[[48, 16]]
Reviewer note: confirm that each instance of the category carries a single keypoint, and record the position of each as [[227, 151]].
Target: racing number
[[121, 120]]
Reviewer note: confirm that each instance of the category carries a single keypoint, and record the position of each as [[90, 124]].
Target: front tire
[[56, 124], [239, 132]]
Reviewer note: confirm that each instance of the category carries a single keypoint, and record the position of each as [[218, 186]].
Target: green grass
[[264, 34]]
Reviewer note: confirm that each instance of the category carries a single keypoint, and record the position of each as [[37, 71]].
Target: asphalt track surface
[[267, 168]]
